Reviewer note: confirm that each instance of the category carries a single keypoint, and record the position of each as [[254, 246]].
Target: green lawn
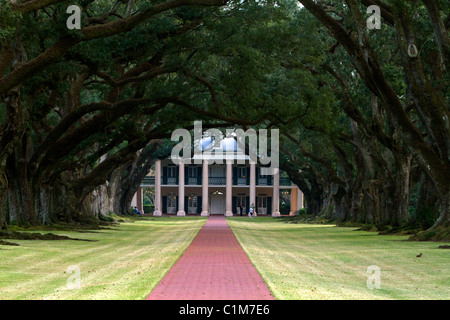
[[298, 261], [303, 261], [126, 262]]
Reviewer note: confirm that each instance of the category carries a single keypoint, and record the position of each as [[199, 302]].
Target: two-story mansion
[[211, 188]]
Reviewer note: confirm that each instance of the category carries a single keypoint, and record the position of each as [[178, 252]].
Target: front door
[[241, 200], [217, 203], [192, 203], [171, 203], [262, 205]]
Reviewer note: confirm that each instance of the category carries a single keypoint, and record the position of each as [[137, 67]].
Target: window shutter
[[164, 204], [199, 175], [247, 204], [199, 204], [164, 177], [256, 204]]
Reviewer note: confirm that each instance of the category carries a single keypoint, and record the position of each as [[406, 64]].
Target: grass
[[122, 263], [306, 261], [297, 261]]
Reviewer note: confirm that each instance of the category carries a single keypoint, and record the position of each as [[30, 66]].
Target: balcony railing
[[149, 180], [241, 181], [260, 181], [193, 181], [172, 180], [217, 180]]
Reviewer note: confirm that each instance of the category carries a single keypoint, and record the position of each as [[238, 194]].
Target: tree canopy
[[85, 113]]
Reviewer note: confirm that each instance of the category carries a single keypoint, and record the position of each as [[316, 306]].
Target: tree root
[[35, 236], [440, 233], [7, 243]]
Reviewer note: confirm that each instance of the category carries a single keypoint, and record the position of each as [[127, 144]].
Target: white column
[[293, 201], [134, 201], [205, 188], [253, 186], [299, 199], [276, 193], [181, 211], [229, 190], [157, 212], [140, 199]]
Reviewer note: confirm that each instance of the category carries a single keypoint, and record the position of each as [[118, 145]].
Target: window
[[171, 172], [241, 172], [192, 172], [192, 200], [171, 200], [262, 202], [240, 200], [260, 175]]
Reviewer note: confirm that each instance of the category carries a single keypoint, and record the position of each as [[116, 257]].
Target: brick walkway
[[214, 267]]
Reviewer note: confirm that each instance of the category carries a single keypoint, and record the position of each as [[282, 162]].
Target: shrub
[[149, 209]]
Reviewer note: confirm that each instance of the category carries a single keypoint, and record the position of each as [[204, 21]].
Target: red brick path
[[214, 267]]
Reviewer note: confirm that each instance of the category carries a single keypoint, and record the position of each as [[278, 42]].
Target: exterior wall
[[217, 174], [241, 187], [238, 192]]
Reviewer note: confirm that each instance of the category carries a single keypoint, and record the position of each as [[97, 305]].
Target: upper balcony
[[215, 181]]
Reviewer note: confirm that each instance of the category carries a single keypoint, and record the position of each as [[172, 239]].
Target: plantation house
[[214, 188]]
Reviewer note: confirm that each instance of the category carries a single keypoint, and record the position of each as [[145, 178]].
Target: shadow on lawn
[[14, 235]]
